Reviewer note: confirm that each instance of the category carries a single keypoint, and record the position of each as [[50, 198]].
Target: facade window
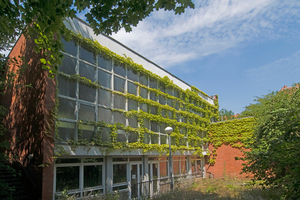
[[92, 176], [120, 70], [66, 87], [119, 173], [67, 178], [119, 84], [144, 79], [104, 63], [132, 75], [104, 115], [66, 130], [132, 88], [87, 54], [86, 113], [66, 109], [87, 93], [86, 132], [119, 101], [132, 105], [104, 98], [104, 79]]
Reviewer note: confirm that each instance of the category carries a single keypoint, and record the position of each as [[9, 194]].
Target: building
[[98, 127]]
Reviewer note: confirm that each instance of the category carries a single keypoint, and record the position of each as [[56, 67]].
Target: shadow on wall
[[26, 114]]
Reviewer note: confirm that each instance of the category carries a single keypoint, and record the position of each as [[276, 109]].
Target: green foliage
[[225, 114], [192, 100], [274, 156], [236, 133]]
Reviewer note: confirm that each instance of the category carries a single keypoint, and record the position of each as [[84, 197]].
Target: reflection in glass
[[92, 176], [119, 101], [104, 115], [131, 88], [66, 130], [120, 70], [68, 65], [104, 98], [66, 87], [132, 75], [69, 47], [87, 93], [87, 54], [87, 71], [104, 79], [119, 84], [119, 173], [104, 63], [67, 178], [66, 109], [86, 113]]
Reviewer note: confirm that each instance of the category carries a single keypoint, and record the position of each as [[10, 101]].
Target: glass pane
[[133, 122], [132, 105], [120, 159], [69, 47], [67, 160], [144, 93], [162, 100], [154, 139], [119, 117], [92, 176], [154, 110], [176, 93], [92, 160], [193, 166], [86, 113], [144, 79], [162, 127], [87, 54], [104, 63], [66, 109], [132, 88], [176, 169], [163, 168], [119, 101], [146, 138], [163, 112], [133, 137], [132, 75], [105, 132], [119, 84], [154, 126], [104, 79], [87, 71], [163, 139], [176, 105], [87, 93], [121, 137], [104, 115], [170, 114], [68, 65], [119, 173], [170, 102], [120, 70], [67, 178], [153, 96], [170, 91], [86, 132], [144, 107], [199, 167], [66, 87], [155, 171], [183, 167], [66, 130], [146, 124], [153, 83], [104, 98]]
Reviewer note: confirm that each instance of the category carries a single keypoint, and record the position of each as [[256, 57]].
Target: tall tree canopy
[[275, 152]]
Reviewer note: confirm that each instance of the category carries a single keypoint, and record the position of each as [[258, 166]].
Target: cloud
[[277, 70], [212, 27]]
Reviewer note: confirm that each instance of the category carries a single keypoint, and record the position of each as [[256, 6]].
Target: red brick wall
[[29, 115], [225, 164]]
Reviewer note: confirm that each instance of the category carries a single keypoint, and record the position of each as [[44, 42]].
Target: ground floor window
[[79, 177]]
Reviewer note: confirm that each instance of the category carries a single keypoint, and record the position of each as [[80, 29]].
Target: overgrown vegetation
[[226, 188], [274, 156]]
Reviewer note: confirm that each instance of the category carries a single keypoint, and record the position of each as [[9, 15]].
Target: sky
[[237, 49]]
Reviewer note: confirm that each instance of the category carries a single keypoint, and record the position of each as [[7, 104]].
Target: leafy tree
[[226, 114], [275, 153]]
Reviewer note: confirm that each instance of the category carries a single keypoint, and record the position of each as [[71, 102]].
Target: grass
[[223, 189]]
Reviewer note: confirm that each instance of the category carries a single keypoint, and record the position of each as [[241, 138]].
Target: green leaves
[[274, 155]]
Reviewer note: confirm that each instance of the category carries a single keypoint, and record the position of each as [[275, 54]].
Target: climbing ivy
[[236, 133], [188, 98]]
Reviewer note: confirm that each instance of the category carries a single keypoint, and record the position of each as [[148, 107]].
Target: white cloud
[[282, 68], [211, 27]]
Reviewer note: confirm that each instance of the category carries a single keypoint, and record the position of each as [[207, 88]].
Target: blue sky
[[238, 49]]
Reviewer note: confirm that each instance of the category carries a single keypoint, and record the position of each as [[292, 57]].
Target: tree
[[226, 114], [275, 153], [43, 19]]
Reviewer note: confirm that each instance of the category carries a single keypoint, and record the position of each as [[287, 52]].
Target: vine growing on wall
[[236, 133], [195, 124]]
